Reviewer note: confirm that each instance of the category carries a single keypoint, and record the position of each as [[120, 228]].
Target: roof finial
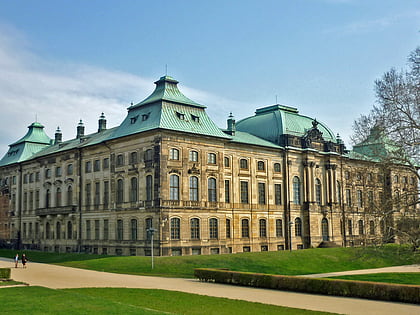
[[276, 100], [166, 69]]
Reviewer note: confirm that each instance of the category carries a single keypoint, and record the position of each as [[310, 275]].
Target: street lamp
[[152, 232]]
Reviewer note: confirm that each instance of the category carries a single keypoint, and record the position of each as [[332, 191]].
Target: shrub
[[360, 289], [4, 273]]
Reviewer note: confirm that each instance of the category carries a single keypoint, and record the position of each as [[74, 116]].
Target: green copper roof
[[376, 147], [247, 138], [273, 121], [34, 141], [167, 90], [167, 108]]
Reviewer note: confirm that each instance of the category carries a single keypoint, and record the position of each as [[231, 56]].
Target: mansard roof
[[167, 108], [32, 142]]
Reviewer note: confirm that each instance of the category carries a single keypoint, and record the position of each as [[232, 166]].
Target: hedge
[[338, 287], [4, 273]]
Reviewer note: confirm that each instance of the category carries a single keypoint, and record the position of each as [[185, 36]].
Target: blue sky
[[61, 61]]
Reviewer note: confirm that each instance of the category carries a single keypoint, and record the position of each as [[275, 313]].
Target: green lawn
[[319, 260], [396, 277], [39, 300], [9, 282]]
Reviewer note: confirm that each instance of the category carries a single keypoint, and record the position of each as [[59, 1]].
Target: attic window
[[145, 116], [134, 119], [180, 115], [14, 152], [195, 118]]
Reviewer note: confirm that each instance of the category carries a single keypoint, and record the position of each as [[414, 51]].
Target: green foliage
[[396, 277], [38, 300], [359, 289], [4, 273], [317, 260]]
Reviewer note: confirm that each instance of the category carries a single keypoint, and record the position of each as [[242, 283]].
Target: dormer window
[[195, 118], [180, 115], [145, 116], [134, 119]]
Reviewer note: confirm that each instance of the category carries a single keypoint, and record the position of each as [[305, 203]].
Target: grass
[[319, 260], [395, 277], [9, 282], [39, 300]]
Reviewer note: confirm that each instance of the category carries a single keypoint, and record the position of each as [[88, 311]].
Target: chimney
[[231, 125], [58, 136], [80, 130], [101, 123]]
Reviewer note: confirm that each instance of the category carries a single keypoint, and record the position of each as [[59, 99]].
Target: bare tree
[[392, 132]]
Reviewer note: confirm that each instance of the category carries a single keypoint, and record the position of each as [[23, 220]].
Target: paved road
[[58, 277]]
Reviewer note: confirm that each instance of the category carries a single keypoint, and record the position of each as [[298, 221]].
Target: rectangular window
[[88, 194], [244, 192], [58, 171], [277, 194], [106, 193], [96, 229], [96, 165], [88, 167], [106, 229], [227, 191], [88, 230], [105, 163], [279, 228], [97, 195], [359, 198], [348, 197], [350, 227], [211, 158], [227, 228], [37, 199], [261, 193], [120, 231]]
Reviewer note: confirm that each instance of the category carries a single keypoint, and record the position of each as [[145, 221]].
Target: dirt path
[[58, 277]]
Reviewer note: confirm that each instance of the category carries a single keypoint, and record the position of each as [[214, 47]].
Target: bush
[[4, 273], [359, 289]]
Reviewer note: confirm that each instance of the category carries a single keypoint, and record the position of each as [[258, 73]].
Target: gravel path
[[58, 277]]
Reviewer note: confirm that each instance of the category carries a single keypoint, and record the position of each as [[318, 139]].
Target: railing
[[55, 210]]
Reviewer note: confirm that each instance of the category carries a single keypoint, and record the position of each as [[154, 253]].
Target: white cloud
[[60, 94]]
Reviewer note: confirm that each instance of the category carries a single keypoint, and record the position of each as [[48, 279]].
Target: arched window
[[324, 228], [371, 227], [133, 189], [318, 191], [212, 189], [260, 166], [175, 228], [174, 187], [120, 230], [359, 198], [120, 191], [133, 158], [263, 228], [195, 228], [228, 232], [194, 188], [149, 225], [361, 227], [58, 230], [69, 230], [213, 228], [133, 229], [245, 227], [298, 227], [149, 188], [69, 196], [296, 190], [174, 154], [193, 156], [58, 197], [47, 198], [243, 164], [279, 228]]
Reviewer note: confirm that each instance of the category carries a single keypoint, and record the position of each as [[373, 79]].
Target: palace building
[[277, 180]]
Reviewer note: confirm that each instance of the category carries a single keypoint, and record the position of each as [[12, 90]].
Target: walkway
[[58, 277]]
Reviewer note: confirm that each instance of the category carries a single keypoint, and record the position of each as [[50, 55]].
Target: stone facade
[[201, 191]]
